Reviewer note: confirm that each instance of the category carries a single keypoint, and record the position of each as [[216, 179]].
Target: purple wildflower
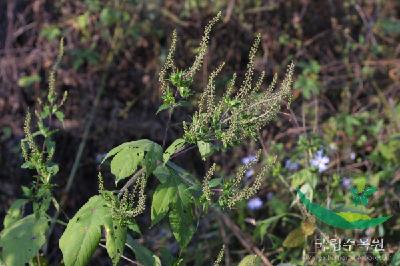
[[254, 204], [249, 159], [292, 166], [320, 161], [249, 173], [346, 182]]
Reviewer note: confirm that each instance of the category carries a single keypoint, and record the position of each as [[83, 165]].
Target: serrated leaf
[[21, 241], [142, 254], [126, 162], [115, 150], [152, 157], [45, 113], [115, 239], [174, 147], [174, 196], [60, 116], [129, 155], [82, 235], [28, 165], [166, 257], [53, 169], [162, 197], [182, 174], [294, 239], [251, 260], [143, 144], [177, 195], [50, 146], [215, 182], [14, 213], [205, 148], [162, 173], [181, 219], [134, 227], [26, 191], [163, 107]]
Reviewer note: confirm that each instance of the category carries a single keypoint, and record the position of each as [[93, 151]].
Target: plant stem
[[61, 222], [244, 239], [124, 257], [130, 181], [167, 127]]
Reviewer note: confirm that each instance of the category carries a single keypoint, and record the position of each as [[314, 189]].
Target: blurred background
[[344, 120]]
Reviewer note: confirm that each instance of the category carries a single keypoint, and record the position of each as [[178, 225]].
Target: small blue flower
[[254, 204], [320, 161], [249, 173], [346, 182], [249, 159], [292, 166]]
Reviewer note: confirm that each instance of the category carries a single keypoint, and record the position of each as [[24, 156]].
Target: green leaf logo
[[347, 220], [362, 197]]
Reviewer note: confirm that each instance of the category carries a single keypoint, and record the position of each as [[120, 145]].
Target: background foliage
[[342, 127]]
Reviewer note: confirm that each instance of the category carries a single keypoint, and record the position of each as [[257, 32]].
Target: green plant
[[308, 81], [216, 125], [23, 236]]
